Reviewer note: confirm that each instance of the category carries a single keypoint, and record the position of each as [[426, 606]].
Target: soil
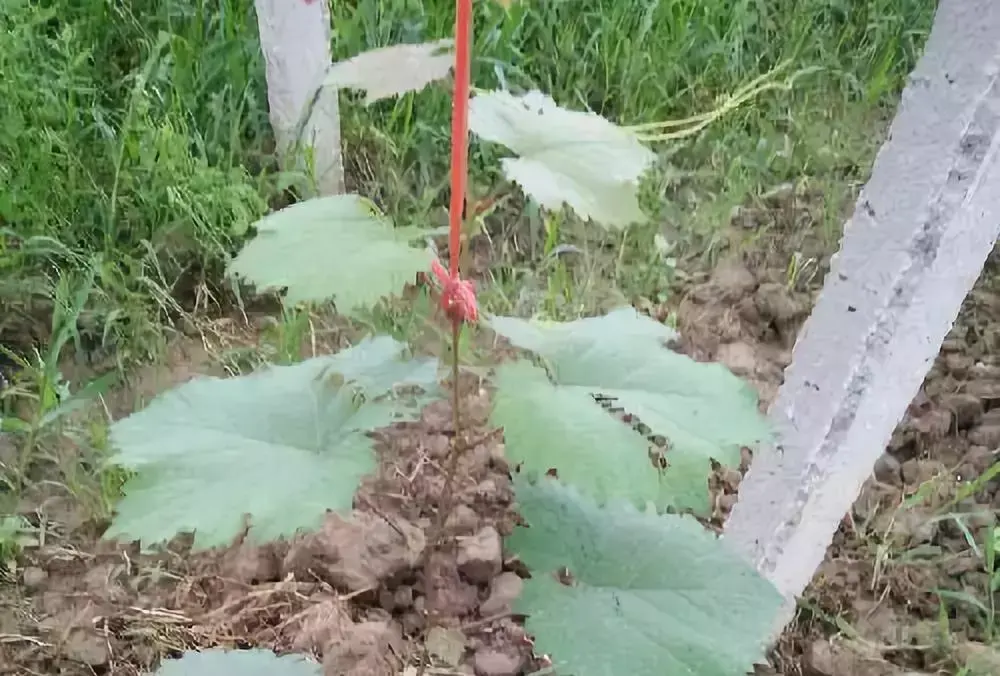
[[873, 608], [355, 593]]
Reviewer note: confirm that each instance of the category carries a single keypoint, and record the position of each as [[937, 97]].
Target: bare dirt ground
[[355, 595], [873, 608]]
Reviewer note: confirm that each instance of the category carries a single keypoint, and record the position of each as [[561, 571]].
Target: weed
[[15, 534]]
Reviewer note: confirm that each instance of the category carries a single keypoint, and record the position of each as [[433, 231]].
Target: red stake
[[460, 128], [458, 297]]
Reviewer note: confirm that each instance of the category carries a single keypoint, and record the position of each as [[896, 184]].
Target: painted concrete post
[[295, 40], [920, 234]]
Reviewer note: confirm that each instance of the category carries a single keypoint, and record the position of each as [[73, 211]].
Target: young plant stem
[[456, 214], [451, 470], [459, 184]]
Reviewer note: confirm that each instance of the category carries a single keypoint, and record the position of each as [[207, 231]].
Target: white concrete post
[[921, 231], [295, 40]]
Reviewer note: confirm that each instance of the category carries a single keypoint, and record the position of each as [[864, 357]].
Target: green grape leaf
[[566, 156], [618, 591], [390, 71], [611, 332], [702, 410], [254, 662], [331, 247], [283, 445], [547, 427]]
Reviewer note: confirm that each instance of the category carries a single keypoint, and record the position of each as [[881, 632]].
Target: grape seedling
[[621, 582]]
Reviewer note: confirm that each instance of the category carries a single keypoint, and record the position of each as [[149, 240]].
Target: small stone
[[915, 526], [403, 598], [733, 279], [364, 649], [742, 217], [252, 565], [412, 623], [872, 499], [775, 302], [355, 553], [984, 389], [33, 577], [986, 371], [979, 519], [935, 423], [491, 662], [826, 657], [480, 556], [991, 417], [966, 409], [965, 472], [966, 562], [505, 589], [463, 520], [820, 659], [487, 488], [887, 470], [779, 196], [320, 624], [910, 471], [748, 312], [980, 657], [738, 357], [498, 453], [83, 646], [958, 364], [447, 645], [985, 435], [979, 458], [953, 344], [386, 599], [188, 327], [916, 472]]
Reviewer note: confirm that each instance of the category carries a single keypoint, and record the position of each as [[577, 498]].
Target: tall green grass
[[637, 61], [134, 135], [125, 134]]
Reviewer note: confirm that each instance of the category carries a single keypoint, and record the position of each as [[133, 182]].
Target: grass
[[127, 136], [135, 152], [136, 145], [639, 62]]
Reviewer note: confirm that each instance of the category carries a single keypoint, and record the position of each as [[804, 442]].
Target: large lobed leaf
[[256, 662], [330, 247], [390, 71], [618, 591], [612, 332], [552, 423], [561, 429], [566, 156], [282, 445]]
